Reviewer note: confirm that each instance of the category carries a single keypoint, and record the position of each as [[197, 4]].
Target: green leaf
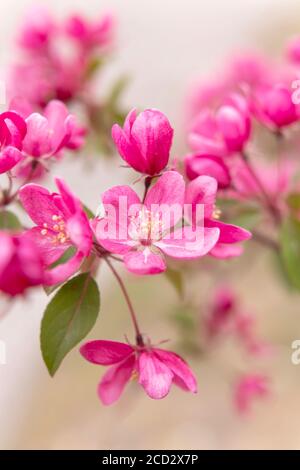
[[63, 259], [89, 213], [68, 318], [175, 278], [9, 221], [290, 250]]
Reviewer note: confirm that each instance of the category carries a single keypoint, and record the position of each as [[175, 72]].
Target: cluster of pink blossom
[[227, 118], [149, 237], [178, 216], [58, 57]]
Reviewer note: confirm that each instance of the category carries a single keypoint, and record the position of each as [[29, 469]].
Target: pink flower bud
[[145, 141]]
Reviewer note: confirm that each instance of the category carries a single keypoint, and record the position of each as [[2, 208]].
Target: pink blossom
[[245, 329], [156, 369], [226, 316], [197, 164], [90, 34], [142, 231], [273, 106], [12, 132], [244, 71], [203, 190], [222, 312], [47, 134], [60, 224], [293, 49], [275, 178], [20, 264], [37, 29], [145, 141], [248, 388], [56, 59], [223, 131]]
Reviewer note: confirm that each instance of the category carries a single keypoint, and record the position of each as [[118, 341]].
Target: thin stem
[[268, 201], [265, 240], [139, 337], [148, 181]]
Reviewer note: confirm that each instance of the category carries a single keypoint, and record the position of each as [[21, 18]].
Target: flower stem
[[139, 336], [265, 240], [268, 201], [148, 181]]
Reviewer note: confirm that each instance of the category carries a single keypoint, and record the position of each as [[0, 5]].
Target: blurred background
[[162, 46]]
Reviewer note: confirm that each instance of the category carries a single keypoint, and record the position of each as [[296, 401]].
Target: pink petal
[[166, 198], [17, 121], [72, 203], [210, 165], [37, 141], [64, 271], [229, 233], [105, 352], [56, 113], [117, 197], [127, 149], [80, 232], [223, 251], [112, 230], [179, 368], [50, 251], [153, 134], [9, 157], [6, 249], [189, 244], [234, 126], [203, 144], [114, 381], [154, 376], [169, 189], [202, 190], [144, 262], [39, 204]]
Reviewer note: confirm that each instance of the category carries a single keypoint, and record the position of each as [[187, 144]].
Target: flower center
[[146, 226], [57, 226]]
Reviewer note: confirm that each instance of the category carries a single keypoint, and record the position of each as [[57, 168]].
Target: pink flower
[[145, 141], [141, 231], [203, 190], [273, 106], [90, 34], [275, 178], [210, 165], [244, 326], [226, 316], [12, 133], [222, 312], [222, 132], [20, 264], [155, 368], [46, 136], [293, 50], [247, 389], [37, 30], [61, 224]]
